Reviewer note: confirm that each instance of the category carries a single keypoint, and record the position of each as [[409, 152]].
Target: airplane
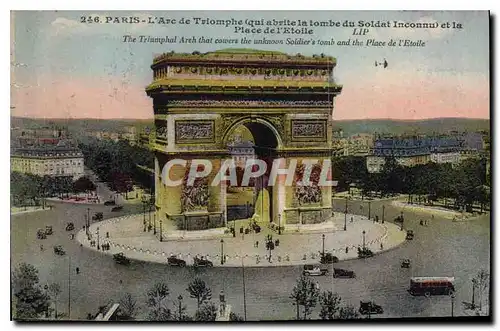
[[385, 64]]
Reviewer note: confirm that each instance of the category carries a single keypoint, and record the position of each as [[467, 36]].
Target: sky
[[62, 68]]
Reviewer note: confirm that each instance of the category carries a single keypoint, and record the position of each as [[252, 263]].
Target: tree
[[156, 298], [128, 307], [206, 312], [482, 281], [235, 318], [330, 305], [198, 290], [347, 312], [83, 184], [305, 293], [55, 290], [30, 300]]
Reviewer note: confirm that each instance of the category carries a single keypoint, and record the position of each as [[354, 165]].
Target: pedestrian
[[77, 270], [381, 246], [41, 247], [352, 219], [257, 244], [347, 250]]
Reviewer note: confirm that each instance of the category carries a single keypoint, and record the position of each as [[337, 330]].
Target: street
[[444, 248]]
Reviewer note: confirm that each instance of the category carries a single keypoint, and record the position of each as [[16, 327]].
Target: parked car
[[110, 203], [405, 263], [70, 226], [342, 273], [121, 259], [174, 261], [59, 250], [202, 262], [40, 234], [314, 270], [409, 235], [364, 253], [117, 208], [48, 230], [370, 307], [328, 258], [97, 217]]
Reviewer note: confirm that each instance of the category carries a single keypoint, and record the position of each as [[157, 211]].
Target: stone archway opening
[[251, 139]]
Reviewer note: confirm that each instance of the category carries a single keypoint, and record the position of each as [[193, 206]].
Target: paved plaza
[[126, 234]]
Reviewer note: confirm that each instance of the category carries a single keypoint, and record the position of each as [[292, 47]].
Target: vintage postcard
[[250, 165]]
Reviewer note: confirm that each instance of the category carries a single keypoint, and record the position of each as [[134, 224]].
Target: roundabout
[[126, 235]]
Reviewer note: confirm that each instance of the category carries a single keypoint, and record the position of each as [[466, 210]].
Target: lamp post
[[279, 224], [161, 231], [474, 283], [383, 213], [180, 306], [86, 225], [144, 212], [88, 216], [323, 251], [369, 209], [364, 232], [154, 223], [452, 303], [222, 251], [345, 215], [402, 220], [97, 238], [244, 290]]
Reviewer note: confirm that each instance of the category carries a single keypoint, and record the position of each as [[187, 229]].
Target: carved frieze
[[308, 130], [308, 193], [161, 130], [249, 103], [193, 132], [194, 197]]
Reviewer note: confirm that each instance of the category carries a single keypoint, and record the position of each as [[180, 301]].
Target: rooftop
[[241, 54]]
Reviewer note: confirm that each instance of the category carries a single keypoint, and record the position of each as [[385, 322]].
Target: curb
[[314, 258]]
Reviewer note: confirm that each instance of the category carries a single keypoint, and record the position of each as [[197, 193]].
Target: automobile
[[174, 261], [314, 270], [328, 258], [59, 250], [342, 273], [48, 230], [399, 219], [369, 308], [110, 203], [40, 234], [97, 217], [202, 262], [70, 226], [364, 253], [405, 263], [120, 258], [409, 235], [117, 208]]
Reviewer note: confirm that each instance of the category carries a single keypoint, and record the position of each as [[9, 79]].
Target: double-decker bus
[[432, 286]]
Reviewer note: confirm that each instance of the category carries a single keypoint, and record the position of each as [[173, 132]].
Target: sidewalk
[[357, 197], [436, 210], [30, 209], [127, 236]]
